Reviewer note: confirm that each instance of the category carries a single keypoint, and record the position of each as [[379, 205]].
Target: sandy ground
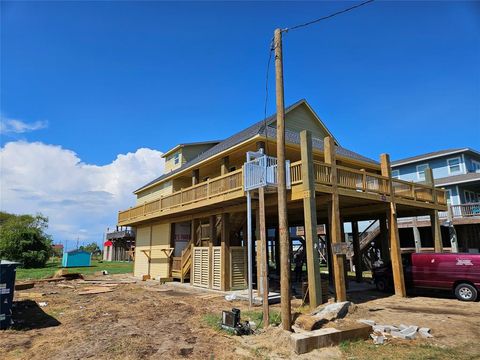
[[151, 321]]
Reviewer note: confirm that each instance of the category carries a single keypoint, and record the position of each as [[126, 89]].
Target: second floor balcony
[[229, 187]]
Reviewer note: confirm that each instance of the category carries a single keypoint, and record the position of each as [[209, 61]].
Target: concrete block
[[379, 328], [389, 328], [406, 334], [377, 339], [425, 333], [305, 342]]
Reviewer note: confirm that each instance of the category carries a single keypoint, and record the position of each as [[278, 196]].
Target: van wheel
[[381, 284], [466, 292]]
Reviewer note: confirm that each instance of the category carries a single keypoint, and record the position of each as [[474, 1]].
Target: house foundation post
[[334, 219], [434, 220], [395, 254], [225, 252], [310, 220]]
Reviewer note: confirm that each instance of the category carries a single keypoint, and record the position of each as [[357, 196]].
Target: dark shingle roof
[[430, 155], [251, 131]]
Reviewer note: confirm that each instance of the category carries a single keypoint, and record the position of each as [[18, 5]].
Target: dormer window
[[454, 166], [176, 158]]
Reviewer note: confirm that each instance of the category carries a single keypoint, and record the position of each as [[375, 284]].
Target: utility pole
[[264, 254], [282, 188]]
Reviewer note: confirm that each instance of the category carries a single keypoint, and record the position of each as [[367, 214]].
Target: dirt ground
[[146, 320]]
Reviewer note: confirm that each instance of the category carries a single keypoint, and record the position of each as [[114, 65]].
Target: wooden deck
[[351, 182]]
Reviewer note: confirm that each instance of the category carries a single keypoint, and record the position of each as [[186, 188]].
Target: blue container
[[76, 258], [8, 270]]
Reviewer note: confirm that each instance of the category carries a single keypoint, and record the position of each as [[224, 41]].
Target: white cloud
[[80, 199], [18, 126]]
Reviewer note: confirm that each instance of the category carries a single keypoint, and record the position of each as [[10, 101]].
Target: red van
[[457, 272]]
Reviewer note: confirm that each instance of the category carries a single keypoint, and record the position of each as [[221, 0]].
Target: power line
[[327, 17], [272, 48], [266, 97]]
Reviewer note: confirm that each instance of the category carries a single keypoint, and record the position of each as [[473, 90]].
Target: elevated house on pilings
[[191, 221]]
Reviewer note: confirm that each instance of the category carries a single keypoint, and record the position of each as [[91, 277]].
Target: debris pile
[[322, 315], [383, 332]]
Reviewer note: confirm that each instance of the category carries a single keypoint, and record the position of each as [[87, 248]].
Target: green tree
[[91, 248], [23, 239]]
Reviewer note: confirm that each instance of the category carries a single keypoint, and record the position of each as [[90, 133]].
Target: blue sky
[[111, 77], [90, 81]]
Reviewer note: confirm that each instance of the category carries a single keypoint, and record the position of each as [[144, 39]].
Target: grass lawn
[[363, 350], [113, 267]]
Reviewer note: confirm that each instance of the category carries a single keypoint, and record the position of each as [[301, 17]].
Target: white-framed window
[[176, 158], [470, 196], [454, 165], [476, 166], [421, 171], [396, 174]]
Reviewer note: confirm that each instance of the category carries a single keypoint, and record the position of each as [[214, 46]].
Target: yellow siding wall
[[160, 240], [170, 161], [154, 192], [142, 243], [301, 118]]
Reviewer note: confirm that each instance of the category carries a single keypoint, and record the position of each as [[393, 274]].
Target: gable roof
[[432, 155], [179, 146], [261, 128]]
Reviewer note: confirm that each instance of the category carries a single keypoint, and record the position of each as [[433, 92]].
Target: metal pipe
[[249, 247]]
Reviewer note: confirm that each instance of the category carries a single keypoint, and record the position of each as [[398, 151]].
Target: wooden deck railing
[[209, 189], [466, 210], [362, 181], [348, 178]]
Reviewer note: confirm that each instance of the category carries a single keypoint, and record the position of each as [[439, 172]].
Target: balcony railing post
[[364, 179]]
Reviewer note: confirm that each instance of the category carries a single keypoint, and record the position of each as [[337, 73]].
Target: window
[[470, 196], [421, 171], [476, 166], [454, 165], [396, 174], [176, 158]]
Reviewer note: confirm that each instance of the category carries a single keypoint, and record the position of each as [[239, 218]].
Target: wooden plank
[[395, 252], [225, 251], [310, 220], [335, 227], [434, 219]]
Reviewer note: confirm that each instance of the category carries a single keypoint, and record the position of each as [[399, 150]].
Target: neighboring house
[[119, 244], [458, 172], [191, 221], [57, 250]]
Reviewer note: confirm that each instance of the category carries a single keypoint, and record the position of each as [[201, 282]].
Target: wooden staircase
[[181, 265]]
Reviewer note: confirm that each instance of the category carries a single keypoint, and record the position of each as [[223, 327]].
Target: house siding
[[160, 240], [142, 242], [300, 119], [155, 192], [439, 167]]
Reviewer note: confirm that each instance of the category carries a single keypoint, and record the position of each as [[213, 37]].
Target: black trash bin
[[8, 270]]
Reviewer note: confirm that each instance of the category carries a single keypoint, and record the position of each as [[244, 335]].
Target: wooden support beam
[[310, 216], [263, 257], [213, 234], [195, 176], [357, 256], [225, 252], [434, 220], [395, 254], [335, 222], [225, 165]]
